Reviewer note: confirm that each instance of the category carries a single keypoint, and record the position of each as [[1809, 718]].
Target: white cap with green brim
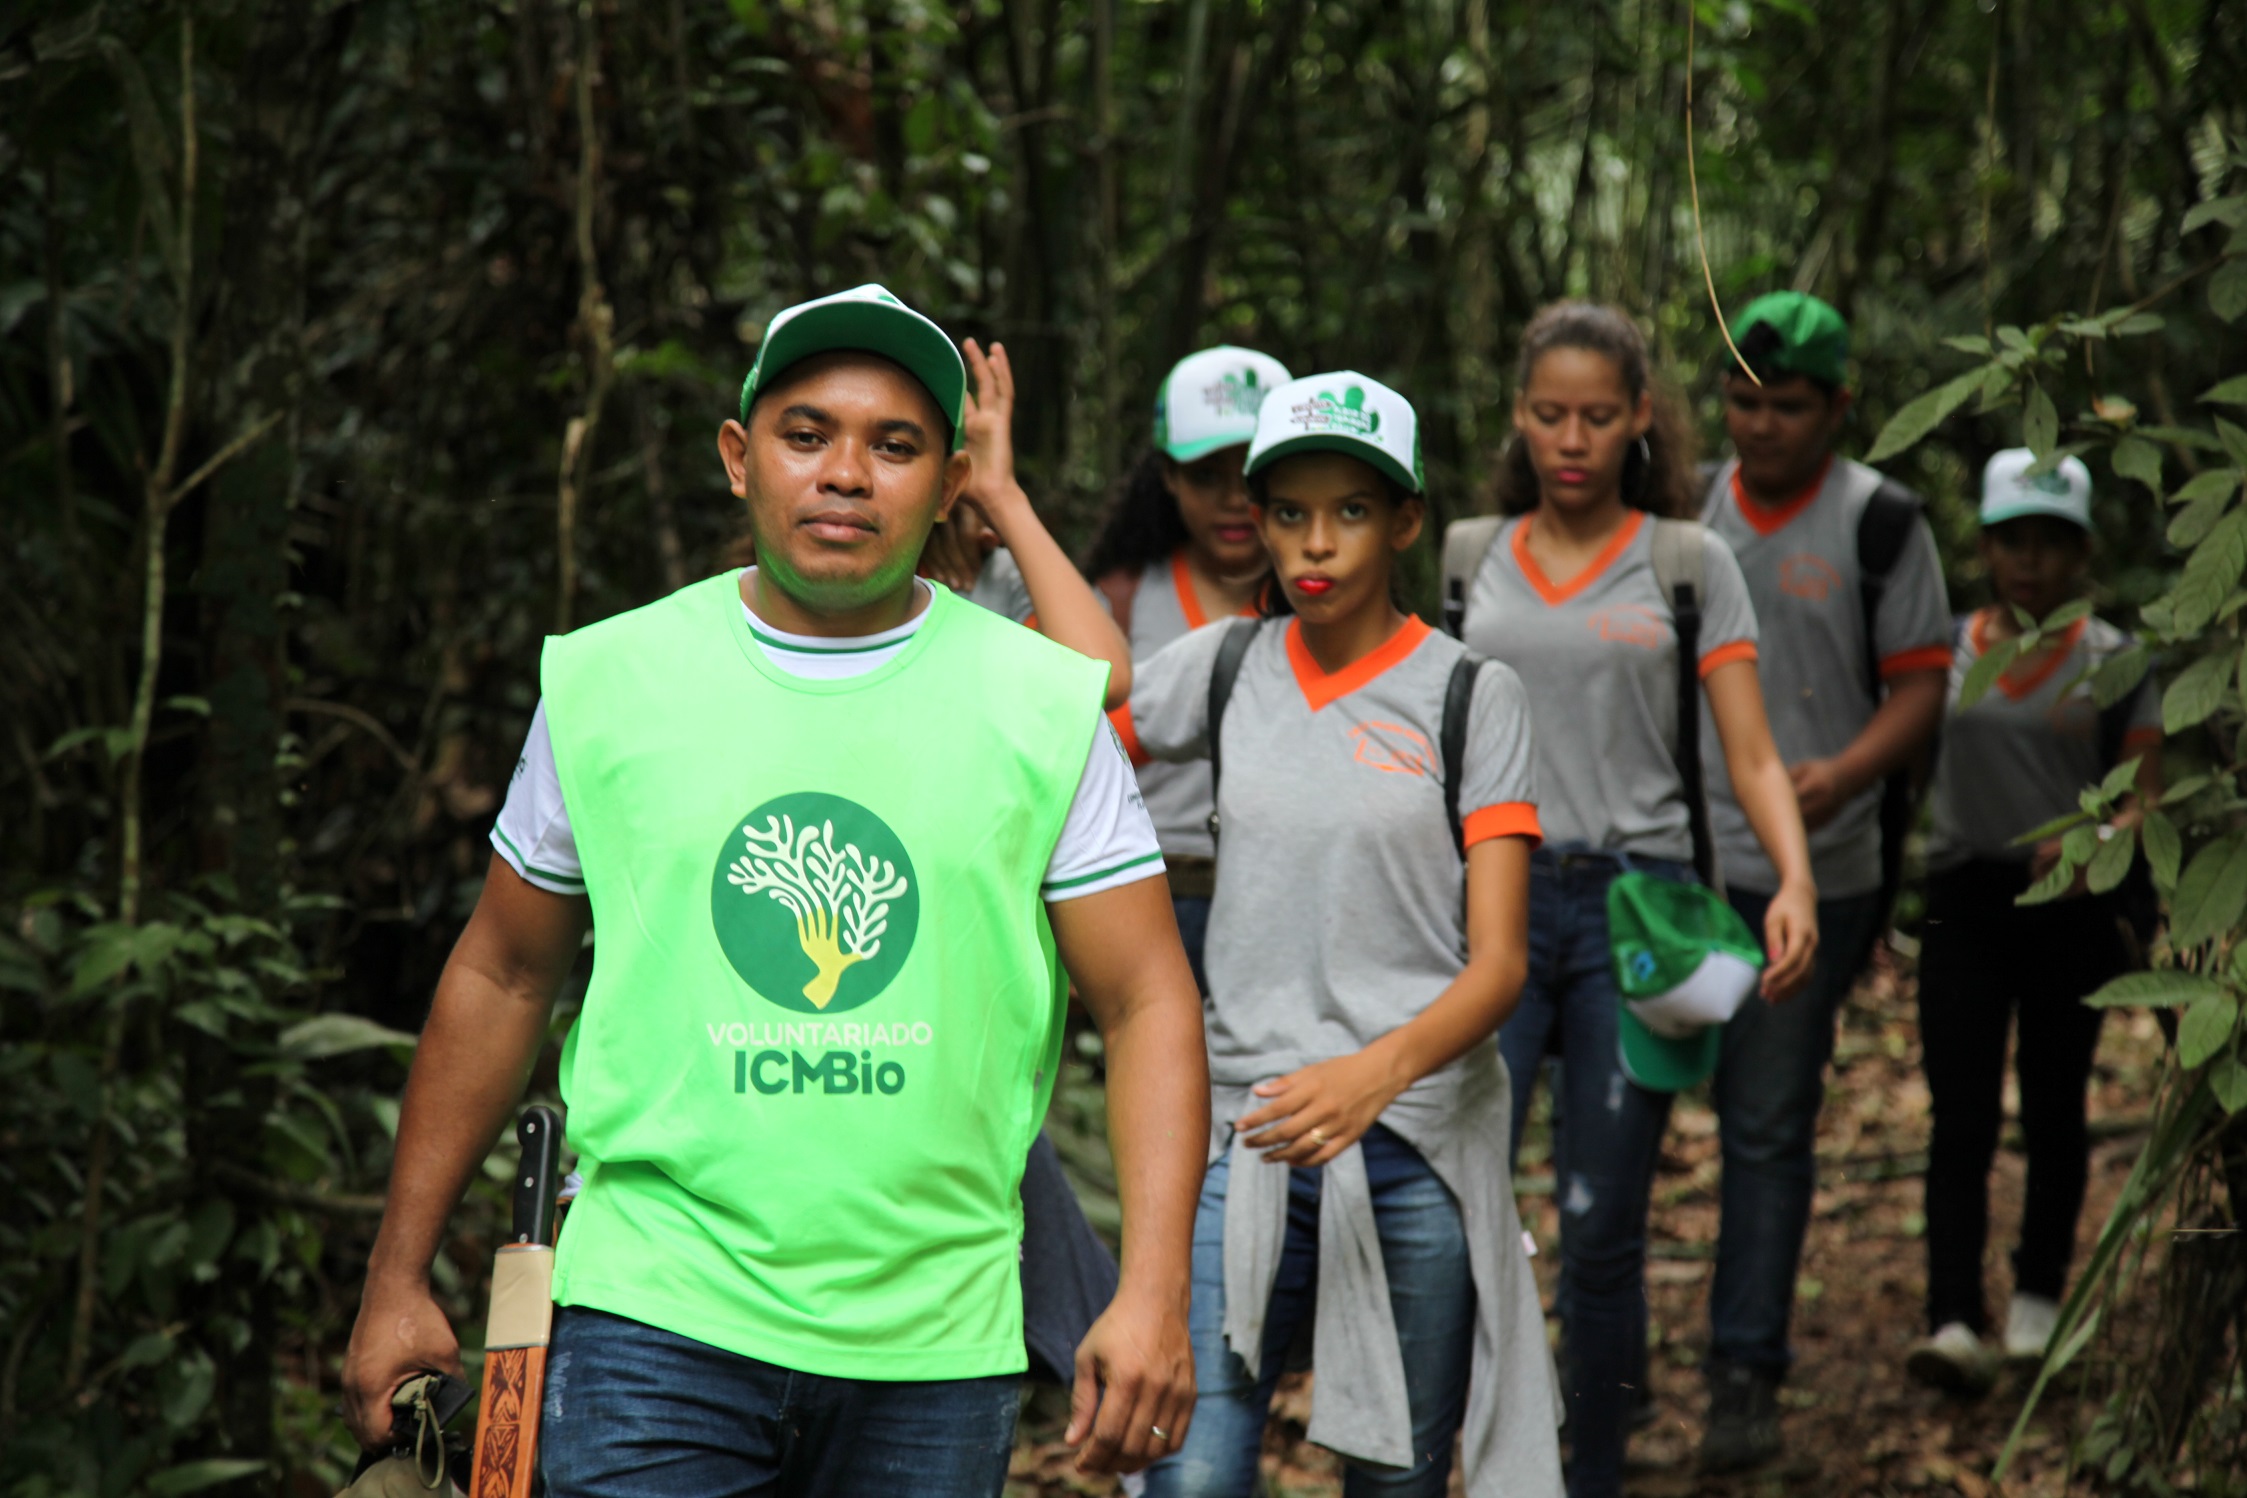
[[1342, 412], [1684, 964], [2009, 490], [1209, 400], [869, 320]]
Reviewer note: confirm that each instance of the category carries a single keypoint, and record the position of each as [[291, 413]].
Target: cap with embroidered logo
[[1684, 964], [1343, 412], [2009, 491], [870, 320], [1209, 400]]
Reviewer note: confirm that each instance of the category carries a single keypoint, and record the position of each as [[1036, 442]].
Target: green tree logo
[[1322, 412], [815, 902], [1235, 394]]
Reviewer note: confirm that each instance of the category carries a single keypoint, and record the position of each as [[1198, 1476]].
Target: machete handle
[[538, 1179]]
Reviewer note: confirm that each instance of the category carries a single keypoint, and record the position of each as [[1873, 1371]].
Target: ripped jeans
[[1611, 1133]]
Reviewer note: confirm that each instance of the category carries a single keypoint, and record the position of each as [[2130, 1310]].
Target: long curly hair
[[1659, 478], [1142, 525]]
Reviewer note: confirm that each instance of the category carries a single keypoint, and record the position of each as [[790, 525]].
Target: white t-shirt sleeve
[[533, 831], [1108, 839]]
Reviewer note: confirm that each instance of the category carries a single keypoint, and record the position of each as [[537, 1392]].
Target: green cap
[[871, 321], [1810, 337], [1684, 964]]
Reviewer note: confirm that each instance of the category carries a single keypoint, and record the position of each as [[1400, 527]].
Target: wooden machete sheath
[[522, 1321]]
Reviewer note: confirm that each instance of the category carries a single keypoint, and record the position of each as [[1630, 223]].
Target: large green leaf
[[2231, 392], [1985, 671], [336, 1034], [1923, 415], [2227, 1079], [2196, 692], [2161, 988], [2227, 291], [2210, 573], [2119, 674], [2040, 421], [2211, 893], [2111, 863], [2136, 458], [2206, 1026], [2164, 849]]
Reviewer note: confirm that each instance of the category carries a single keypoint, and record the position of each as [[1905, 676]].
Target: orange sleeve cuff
[[1924, 658], [1120, 720], [1032, 623], [1507, 819], [1725, 655], [2144, 737]]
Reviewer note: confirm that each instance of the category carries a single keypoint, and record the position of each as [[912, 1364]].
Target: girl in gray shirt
[[1362, 949], [1567, 596]]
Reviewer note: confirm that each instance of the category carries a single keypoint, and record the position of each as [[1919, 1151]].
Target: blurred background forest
[[350, 347]]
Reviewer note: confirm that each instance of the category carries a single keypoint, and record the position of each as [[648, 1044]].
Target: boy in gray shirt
[[1846, 713]]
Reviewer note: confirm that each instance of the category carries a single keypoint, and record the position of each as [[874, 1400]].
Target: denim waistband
[[1582, 858]]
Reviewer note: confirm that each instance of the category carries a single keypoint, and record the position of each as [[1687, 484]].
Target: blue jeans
[[1605, 1172], [1767, 1090], [635, 1412], [1431, 1294]]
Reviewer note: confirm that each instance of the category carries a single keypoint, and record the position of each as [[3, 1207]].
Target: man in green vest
[[838, 832]]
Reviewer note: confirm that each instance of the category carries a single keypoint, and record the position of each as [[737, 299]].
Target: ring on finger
[[1318, 1139], [1160, 1434]]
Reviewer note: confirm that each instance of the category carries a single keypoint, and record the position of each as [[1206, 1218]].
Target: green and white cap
[[871, 321], [1209, 400], [1684, 964], [2008, 491], [1342, 412]]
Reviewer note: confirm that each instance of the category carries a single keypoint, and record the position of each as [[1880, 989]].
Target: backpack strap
[[1887, 523], [1882, 530], [1458, 708], [1231, 651], [1680, 568], [1465, 544], [1120, 588]]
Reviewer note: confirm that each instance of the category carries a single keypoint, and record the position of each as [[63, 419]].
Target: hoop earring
[[1645, 452]]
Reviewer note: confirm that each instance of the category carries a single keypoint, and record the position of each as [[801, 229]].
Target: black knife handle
[[539, 1177]]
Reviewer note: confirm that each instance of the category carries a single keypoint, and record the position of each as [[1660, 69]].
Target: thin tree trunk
[[596, 322]]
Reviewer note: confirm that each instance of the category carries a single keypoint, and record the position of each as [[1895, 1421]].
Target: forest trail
[[1855, 1424]]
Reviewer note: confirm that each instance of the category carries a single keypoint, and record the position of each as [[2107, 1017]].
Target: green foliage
[[379, 246]]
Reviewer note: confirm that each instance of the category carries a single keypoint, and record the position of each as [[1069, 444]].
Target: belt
[[1191, 878]]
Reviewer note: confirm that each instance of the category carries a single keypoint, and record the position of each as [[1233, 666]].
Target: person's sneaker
[[1743, 1428], [2029, 1323], [1954, 1360]]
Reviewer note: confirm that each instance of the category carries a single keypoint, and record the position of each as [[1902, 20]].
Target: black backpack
[[1458, 698]]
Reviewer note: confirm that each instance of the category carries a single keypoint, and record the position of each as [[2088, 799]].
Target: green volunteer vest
[[825, 1008]]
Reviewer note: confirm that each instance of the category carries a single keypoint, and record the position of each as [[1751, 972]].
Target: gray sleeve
[[1728, 615], [1913, 629], [1170, 697], [1500, 772], [999, 587]]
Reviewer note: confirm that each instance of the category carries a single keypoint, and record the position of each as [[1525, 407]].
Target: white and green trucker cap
[[1684, 964], [870, 320], [2008, 491], [1209, 400], [1343, 412]]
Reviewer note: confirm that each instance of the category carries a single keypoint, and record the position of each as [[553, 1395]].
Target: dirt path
[[1855, 1424]]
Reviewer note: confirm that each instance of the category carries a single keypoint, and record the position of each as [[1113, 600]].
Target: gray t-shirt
[[2024, 753], [1800, 563], [999, 587], [1162, 610], [1339, 908], [1598, 657]]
